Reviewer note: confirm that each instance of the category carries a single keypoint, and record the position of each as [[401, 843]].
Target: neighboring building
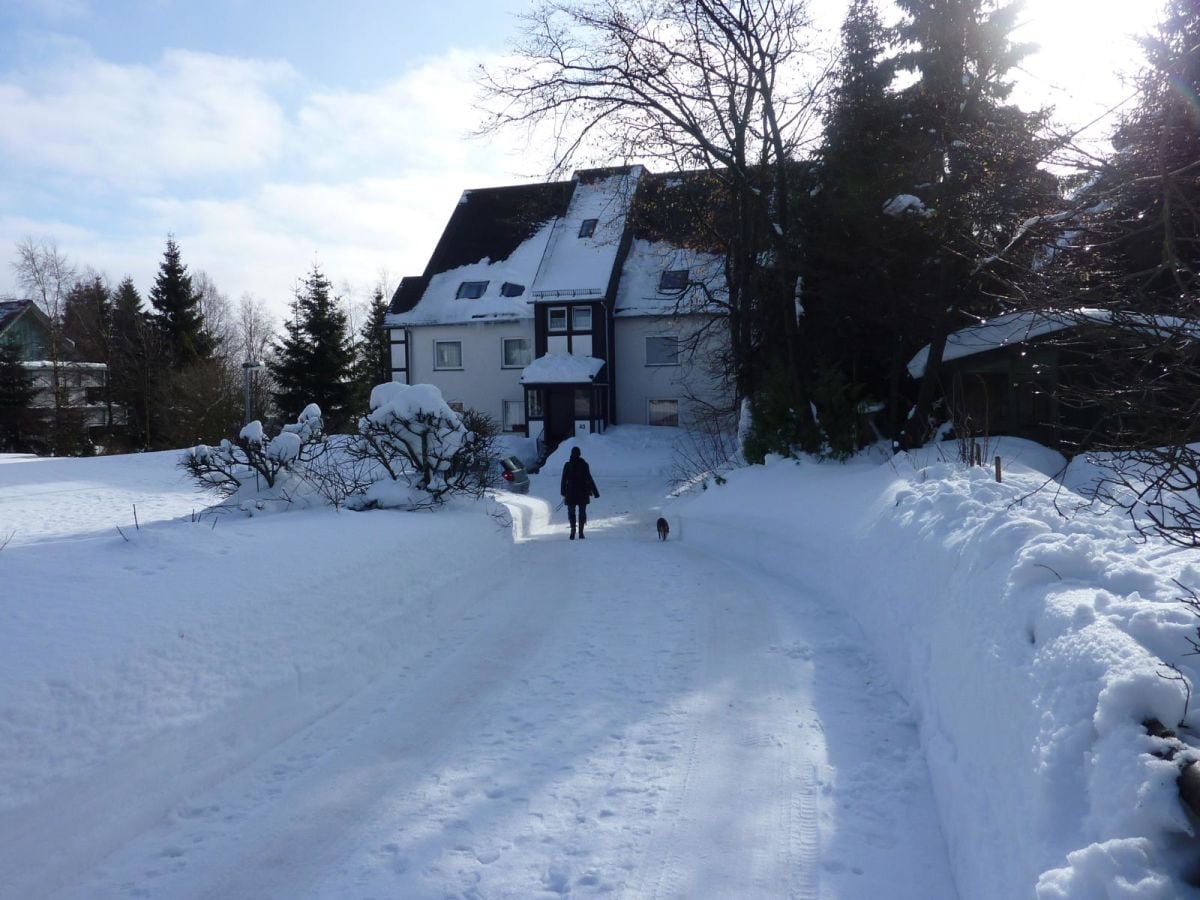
[[81, 384], [1017, 374], [558, 310]]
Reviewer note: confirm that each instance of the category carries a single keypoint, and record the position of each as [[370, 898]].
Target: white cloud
[[191, 114], [56, 10]]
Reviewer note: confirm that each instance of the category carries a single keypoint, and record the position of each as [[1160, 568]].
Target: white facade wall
[[483, 383], [689, 381]]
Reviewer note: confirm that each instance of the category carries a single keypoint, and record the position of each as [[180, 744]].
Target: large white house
[[564, 307]]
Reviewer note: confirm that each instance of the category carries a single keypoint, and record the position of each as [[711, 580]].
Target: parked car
[[511, 475]]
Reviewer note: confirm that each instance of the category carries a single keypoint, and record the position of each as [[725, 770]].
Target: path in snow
[[613, 716]]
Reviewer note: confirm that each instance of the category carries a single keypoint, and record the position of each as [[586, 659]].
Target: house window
[[447, 355], [583, 403], [533, 403], [662, 350], [510, 289], [588, 228], [516, 353], [514, 415], [471, 290], [581, 318], [664, 412], [673, 280], [557, 318]]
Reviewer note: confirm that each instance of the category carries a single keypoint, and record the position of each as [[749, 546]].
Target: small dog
[[663, 529]]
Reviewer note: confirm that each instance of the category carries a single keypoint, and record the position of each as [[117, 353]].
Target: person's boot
[[573, 534], [581, 532]]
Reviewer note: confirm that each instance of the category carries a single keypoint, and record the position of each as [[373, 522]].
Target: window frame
[[649, 418], [566, 320], [652, 337], [512, 289], [587, 228], [466, 290], [576, 328], [506, 425], [673, 275], [504, 364], [440, 368]]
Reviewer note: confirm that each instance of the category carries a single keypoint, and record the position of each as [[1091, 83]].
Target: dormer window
[[588, 228], [509, 289], [673, 280], [471, 290]]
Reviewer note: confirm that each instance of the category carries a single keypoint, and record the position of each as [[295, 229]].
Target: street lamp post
[[247, 367]]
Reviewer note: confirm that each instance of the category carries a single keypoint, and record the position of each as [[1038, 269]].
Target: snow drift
[[1031, 645]]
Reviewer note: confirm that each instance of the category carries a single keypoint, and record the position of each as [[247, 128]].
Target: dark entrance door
[[560, 415]]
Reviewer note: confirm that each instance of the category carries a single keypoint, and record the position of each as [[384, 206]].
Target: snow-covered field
[[880, 680]]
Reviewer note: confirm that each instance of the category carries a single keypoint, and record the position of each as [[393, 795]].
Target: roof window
[[510, 289], [471, 290], [588, 228], [673, 280]]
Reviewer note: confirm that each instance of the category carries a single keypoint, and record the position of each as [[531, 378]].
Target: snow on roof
[[561, 368], [65, 364], [904, 203], [639, 294], [441, 305], [583, 266], [1018, 327]]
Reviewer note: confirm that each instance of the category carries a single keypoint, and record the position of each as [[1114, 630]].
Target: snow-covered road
[[615, 716]]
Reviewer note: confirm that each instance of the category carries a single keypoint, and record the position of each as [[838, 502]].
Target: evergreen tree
[[136, 364], [373, 353], [313, 360], [87, 320], [20, 423], [1140, 248], [972, 161], [178, 312], [1134, 249], [856, 255]]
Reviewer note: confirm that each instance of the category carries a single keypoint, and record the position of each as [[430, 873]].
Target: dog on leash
[[663, 528]]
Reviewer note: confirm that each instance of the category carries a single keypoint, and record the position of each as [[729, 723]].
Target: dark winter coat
[[577, 485]]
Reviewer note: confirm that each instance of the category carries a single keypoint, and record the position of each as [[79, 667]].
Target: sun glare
[[1087, 53]]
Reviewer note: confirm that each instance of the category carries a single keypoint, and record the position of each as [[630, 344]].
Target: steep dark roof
[[488, 222], [493, 222], [10, 309], [681, 208], [408, 293]]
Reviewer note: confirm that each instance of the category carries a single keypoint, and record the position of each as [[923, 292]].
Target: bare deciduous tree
[[724, 86]]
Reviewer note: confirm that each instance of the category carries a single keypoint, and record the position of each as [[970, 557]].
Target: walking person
[[577, 488]]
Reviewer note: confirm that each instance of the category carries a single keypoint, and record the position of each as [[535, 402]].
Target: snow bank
[[1031, 647], [123, 656], [623, 451]]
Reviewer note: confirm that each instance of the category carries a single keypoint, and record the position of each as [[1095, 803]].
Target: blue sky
[[267, 135]]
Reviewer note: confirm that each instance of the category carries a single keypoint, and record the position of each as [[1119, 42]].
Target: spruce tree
[[87, 319], [972, 159], [137, 362], [178, 312], [1142, 229], [855, 254], [313, 361], [373, 353], [20, 423]]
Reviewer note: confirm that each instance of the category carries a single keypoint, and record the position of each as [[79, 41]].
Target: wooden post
[[997, 469], [1189, 786], [976, 454]]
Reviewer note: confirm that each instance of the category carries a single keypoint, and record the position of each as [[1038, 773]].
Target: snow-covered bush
[[228, 466], [424, 450]]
